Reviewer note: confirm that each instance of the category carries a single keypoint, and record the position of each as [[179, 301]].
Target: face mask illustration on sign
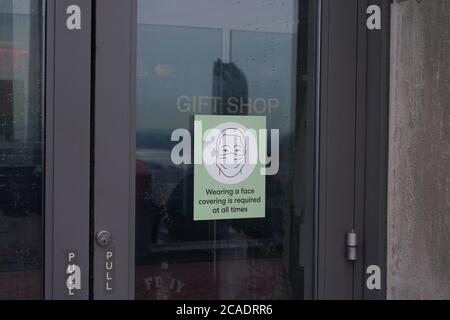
[[231, 152], [227, 184]]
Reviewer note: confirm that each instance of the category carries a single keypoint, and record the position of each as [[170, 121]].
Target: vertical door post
[[67, 165], [114, 148]]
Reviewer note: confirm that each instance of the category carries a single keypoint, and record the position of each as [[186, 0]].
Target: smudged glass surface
[[21, 148], [190, 52]]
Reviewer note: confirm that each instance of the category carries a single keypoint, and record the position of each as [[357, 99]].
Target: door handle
[[103, 238]]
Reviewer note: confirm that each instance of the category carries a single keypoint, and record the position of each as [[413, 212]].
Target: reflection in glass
[[21, 148], [223, 58]]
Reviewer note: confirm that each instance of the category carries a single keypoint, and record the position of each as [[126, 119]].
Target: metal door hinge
[[351, 246]]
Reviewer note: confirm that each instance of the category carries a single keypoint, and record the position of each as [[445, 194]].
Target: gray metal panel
[[360, 146], [71, 148], [49, 121], [114, 144], [317, 148], [363, 75], [337, 146], [376, 148]]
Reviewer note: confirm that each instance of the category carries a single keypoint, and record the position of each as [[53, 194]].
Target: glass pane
[[239, 61], [21, 148]]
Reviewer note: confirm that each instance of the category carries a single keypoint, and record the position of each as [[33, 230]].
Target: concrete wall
[[419, 173]]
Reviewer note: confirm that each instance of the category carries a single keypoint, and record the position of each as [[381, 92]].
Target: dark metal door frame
[[114, 176], [354, 104], [90, 164], [337, 147], [67, 149], [372, 126]]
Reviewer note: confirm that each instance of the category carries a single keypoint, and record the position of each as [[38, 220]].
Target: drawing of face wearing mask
[[231, 154]]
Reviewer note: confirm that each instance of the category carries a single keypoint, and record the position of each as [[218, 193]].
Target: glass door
[[169, 149], [238, 227], [226, 65], [211, 135], [22, 114], [45, 113]]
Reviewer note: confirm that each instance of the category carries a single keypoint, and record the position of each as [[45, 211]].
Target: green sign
[[229, 180]]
